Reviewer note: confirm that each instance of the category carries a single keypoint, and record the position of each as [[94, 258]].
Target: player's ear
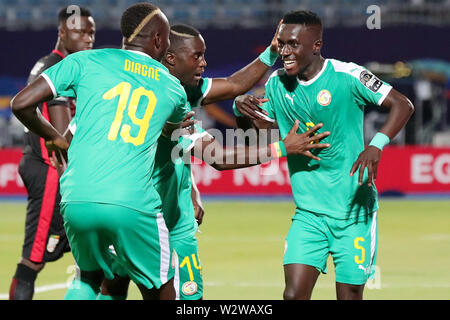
[[157, 41], [317, 46], [170, 58], [62, 31]]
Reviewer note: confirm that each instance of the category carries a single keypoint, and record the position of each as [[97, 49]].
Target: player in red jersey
[[45, 239]]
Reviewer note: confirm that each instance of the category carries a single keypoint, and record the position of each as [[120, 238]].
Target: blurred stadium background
[[248, 210]]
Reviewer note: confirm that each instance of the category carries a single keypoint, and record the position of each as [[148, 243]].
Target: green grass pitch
[[241, 248]]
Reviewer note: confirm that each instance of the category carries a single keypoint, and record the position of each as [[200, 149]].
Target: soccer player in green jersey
[[125, 99], [335, 197], [185, 59]]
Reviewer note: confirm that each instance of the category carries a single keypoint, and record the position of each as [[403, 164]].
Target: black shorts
[[45, 238]]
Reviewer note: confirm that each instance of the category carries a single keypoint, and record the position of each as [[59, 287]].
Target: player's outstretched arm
[[23, 106], [401, 110], [221, 158], [244, 79]]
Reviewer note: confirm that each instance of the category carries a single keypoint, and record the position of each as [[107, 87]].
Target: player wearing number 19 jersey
[[124, 99]]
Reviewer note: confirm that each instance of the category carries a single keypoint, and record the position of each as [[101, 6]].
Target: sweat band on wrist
[[236, 111], [278, 149], [379, 140], [268, 57]]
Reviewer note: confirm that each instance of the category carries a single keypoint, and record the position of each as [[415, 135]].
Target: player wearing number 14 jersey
[[124, 99]]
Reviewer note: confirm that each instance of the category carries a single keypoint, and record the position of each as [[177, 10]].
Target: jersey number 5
[[123, 90]]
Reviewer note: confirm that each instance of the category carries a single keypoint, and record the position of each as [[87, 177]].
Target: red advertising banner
[[10, 182], [408, 170]]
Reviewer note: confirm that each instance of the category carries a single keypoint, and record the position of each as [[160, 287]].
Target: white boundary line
[[50, 287], [60, 286]]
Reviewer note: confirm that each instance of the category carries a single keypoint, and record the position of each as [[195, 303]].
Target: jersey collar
[[146, 55], [317, 76], [59, 53]]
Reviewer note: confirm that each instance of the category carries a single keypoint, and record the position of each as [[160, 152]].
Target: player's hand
[[57, 147], [300, 144], [198, 205], [187, 121], [369, 159], [250, 106], [274, 43], [187, 126], [199, 212]]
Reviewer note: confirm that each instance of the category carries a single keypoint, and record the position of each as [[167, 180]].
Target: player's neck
[[312, 69], [137, 47], [60, 47]]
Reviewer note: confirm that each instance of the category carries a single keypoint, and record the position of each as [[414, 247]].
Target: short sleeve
[[195, 95], [368, 88], [64, 76]]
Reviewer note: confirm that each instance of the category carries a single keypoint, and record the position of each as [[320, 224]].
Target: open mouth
[[289, 64], [198, 75]]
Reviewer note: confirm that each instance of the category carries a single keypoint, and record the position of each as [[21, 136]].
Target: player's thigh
[[143, 249], [86, 228], [354, 249], [188, 280], [306, 242]]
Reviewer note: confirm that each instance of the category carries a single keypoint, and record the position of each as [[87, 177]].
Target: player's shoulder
[[43, 64], [172, 84], [277, 75], [279, 80], [347, 68]]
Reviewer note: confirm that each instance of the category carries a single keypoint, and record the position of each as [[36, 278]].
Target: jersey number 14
[[123, 90]]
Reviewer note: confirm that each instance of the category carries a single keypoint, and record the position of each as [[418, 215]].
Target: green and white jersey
[[173, 180], [124, 99], [336, 97]]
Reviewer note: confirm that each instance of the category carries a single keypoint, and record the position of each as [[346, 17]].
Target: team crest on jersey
[[370, 81], [189, 288], [324, 97], [52, 242]]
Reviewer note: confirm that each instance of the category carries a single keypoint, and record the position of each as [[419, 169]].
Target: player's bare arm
[[59, 117], [213, 153], [240, 81], [23, 106], [197, 201], [401, 110]]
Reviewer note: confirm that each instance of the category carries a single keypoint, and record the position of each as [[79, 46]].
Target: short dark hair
[[179, 32], [307, 18], [133, 16], [65, 13], [185, 29]]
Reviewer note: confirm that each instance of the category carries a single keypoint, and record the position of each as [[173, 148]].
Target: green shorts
[[188, 279], [140, 240], [351, 243]]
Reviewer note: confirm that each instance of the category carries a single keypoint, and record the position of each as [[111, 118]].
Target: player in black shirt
[[45, 238]]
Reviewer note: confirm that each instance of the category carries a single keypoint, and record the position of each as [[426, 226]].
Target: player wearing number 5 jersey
[[336, 211], [124, 99]]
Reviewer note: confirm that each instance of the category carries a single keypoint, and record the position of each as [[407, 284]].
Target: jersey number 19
[[123, 90]]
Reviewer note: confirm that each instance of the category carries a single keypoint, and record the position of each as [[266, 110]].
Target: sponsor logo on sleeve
[[370, 81]]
